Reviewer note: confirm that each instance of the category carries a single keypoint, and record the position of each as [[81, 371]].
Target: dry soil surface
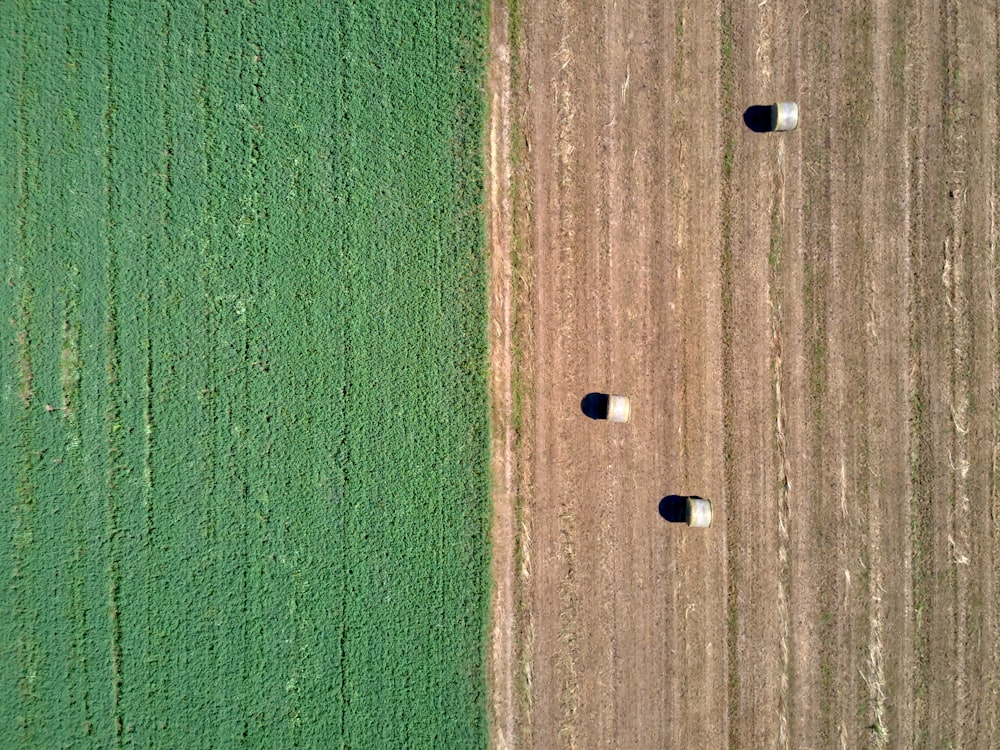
[[806, 324]]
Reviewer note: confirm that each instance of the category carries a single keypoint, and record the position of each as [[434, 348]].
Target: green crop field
[[244, 441]]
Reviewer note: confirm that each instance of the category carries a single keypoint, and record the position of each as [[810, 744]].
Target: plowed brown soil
[[807, 326]]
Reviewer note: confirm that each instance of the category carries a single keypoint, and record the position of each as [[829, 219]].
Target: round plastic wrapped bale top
[[619, 409], [699, 512]]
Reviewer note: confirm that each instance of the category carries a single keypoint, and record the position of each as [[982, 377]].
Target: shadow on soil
[[595, 405], [758, 119], [673, 508]]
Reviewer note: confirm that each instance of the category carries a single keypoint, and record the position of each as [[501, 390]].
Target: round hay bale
[[784, 116], [619, 409], [699, 512]]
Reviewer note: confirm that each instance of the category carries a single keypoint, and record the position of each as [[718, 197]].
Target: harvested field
[[807, 326]]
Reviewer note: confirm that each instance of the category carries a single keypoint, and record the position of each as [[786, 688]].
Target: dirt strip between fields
[[501, 299]]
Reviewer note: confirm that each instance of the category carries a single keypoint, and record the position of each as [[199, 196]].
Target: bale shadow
[[759, 118], [595, 405], [674, 508]]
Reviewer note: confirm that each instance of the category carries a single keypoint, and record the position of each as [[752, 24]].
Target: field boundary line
[[502, 709]]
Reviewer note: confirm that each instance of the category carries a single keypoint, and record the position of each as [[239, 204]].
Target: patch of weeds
[[727, 48], [774, 254]]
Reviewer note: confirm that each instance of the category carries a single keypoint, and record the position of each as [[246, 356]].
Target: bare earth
[[806, 324]]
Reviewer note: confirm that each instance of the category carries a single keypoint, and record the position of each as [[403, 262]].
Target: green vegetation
[[243, 383]]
